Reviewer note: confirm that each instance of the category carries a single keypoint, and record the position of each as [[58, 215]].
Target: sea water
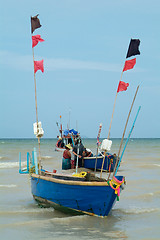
[[135, 216]]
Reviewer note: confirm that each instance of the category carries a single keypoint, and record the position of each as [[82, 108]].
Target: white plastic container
[[38, 132], [106, 145]]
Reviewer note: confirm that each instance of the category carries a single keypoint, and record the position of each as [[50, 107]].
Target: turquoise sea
[[135, 216]]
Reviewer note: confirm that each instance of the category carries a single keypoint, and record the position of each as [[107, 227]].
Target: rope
[[115, 185]]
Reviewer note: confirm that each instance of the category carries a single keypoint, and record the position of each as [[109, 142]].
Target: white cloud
[[25, 63], [16, 61], [69, 64]]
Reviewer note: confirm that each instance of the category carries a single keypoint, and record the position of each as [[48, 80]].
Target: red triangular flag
[[36, 39], [129, 64], [38, 65], [122, 86]]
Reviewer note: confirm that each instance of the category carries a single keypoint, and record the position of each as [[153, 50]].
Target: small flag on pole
[[129, 64], [99, 132], [133, 48], [38, 65], [35, 23], [36, 39], [122, 86]]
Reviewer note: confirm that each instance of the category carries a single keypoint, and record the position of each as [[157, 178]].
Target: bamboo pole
[[114, 108], [96, 159], [39, 157], [60, 126], [125, 130], [69, 118], [77, 157], [127, 139], [99, 132], [110, 126], [103, 163], [111, 121]]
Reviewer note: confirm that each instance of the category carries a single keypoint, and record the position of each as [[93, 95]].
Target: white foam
[[39, 222], [140, 210], [157, 165], [46, 157], [28, 210], [70, 219], [11, 164], [8, 186]]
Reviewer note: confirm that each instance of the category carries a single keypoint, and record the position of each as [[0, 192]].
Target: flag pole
[[127, 139], [132, 51], [114, 108], [39, 158], [125, 130], [99, 132], [60, 126], [110, 126], [103, 163]]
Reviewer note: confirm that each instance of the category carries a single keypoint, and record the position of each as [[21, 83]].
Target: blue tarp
[[73, 131], [66, 132]]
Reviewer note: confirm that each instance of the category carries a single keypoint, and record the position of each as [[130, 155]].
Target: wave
[[139, 210], [2, 158], [157, 165], [27, 211], [149, 166], [11, 164], [46, 157], [145, 196], [8, 186], [60, 219]]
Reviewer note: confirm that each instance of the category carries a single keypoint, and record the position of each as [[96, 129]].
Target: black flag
[[35, 23], [133, 48]]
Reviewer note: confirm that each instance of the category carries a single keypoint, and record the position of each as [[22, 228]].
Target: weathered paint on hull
[[47, 203], [82, 197]]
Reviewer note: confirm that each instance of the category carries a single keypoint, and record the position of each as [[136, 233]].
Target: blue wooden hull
[[90, 163], [93, 198]]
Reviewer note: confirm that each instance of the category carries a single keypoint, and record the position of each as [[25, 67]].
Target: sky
[[84, 53]]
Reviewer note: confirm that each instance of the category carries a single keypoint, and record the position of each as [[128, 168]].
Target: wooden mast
[[131, 52], [127, 141], [33, 27], [99, 132], [39, 157], [114, 108], [125, 130], [110, 126]]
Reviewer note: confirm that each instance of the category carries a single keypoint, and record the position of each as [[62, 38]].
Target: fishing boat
[[96, 162], [75, 195], [99, 160], [67, 136], [81, 192]]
